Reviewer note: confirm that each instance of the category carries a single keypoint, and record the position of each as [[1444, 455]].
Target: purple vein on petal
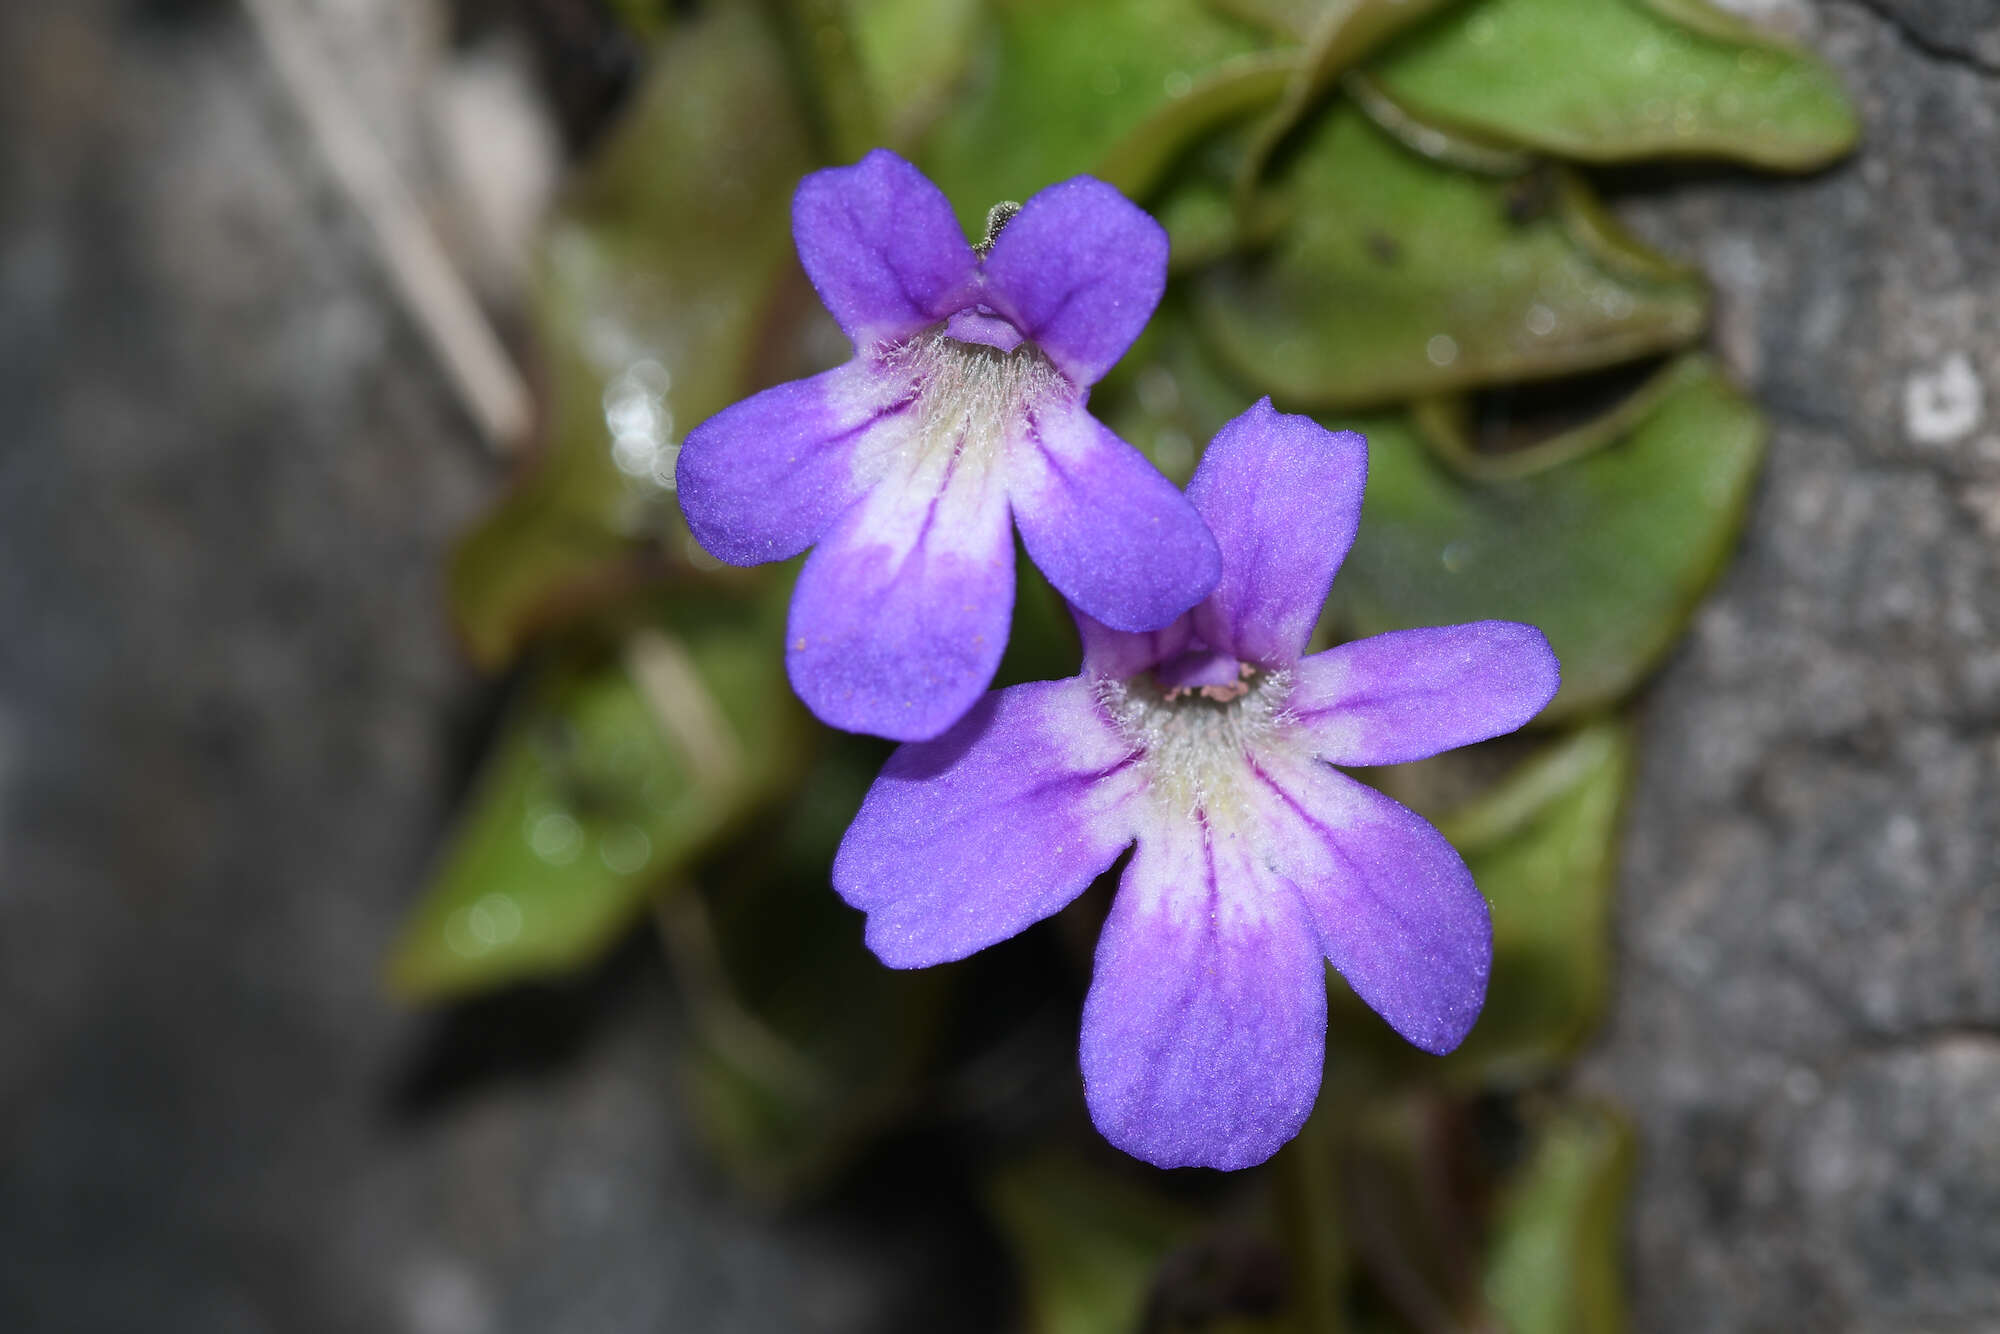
[[1416, 940]]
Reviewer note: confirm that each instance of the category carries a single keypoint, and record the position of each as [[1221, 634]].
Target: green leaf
[[1554, 1256], [1611, 80], [1292, 18], [912, 53], [1447, 145], [1608, 552], [805, 1044], [1206, 217], [1542, 846], [1137, 161], [658, 278], [821, 39], [1342, 35], [1090, 1244], [611, 774], [1167, 396], [1400, 277], [1070, 84]]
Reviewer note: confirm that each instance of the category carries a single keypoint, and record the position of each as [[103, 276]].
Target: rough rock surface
[[1808, 1019], [1961, 29], [231, 723]]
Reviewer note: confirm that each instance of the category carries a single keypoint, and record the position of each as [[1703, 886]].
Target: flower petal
[[1079, 270], [1409, 694], [762, 479], [1123, 653], [901, 613], [1392, 901], [1205, 1029], [1282, 494], [970, 838], [882, 248], [1112, 534]]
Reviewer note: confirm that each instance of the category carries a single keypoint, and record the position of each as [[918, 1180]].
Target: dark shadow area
[[521, 1035], [1509, 418]]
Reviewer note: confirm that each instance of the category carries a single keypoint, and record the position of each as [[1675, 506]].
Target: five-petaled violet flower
[[1210, 743], [963, 406]]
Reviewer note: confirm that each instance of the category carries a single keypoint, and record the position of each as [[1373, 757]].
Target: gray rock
[[1960, 29], [232, 724], [1808, 1018]]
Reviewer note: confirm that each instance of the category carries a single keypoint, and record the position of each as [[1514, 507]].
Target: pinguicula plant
[[960, 418], [1209, 743], [1377, 213]]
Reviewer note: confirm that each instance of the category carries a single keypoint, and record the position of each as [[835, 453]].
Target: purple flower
[[963, 406], [1209, 743]]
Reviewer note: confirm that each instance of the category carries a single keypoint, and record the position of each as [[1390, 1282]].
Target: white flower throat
[[1198, 741], [969, 398]]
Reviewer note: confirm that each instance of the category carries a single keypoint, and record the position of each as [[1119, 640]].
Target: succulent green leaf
[[912, 53], [1295, 19], [656, 281], [609, 776], [1553, 1259], [1342, 35], [1138, 160], [1398, 276], [1607, 552], [1069, 84], [1089, 1244], [1542, 846], [824, 52], [1202, 206], [1447, 144], [804, 1045], [1612, 80], [1167, 396]]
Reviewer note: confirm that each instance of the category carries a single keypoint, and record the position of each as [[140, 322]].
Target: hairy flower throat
[[968, 398], [1198, 742]]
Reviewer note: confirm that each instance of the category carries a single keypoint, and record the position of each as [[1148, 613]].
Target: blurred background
[[323, 324]]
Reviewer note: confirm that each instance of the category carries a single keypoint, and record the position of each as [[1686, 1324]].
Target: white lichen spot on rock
[[1944, 405]]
